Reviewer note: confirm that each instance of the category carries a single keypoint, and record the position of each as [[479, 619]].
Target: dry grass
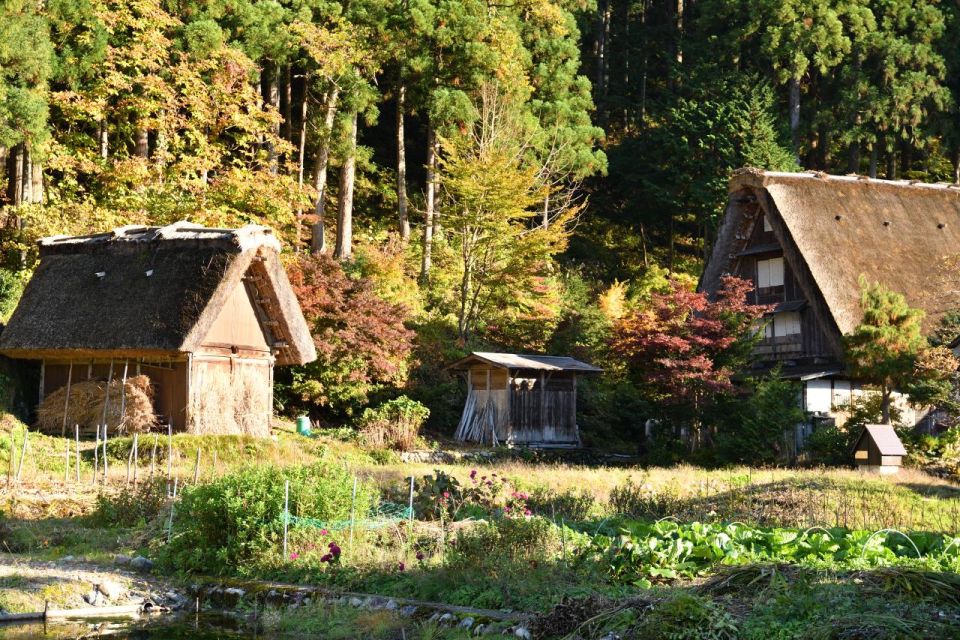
[[86, 407]]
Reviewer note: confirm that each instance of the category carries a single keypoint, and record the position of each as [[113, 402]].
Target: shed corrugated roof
[[527, 361], [886, 439]]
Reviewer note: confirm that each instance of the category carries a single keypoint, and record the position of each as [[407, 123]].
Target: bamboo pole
[[66, 403], [286, 515], [23, 455], [153, 456], [136, 456], [106, 405], [104, 453], [196, 468], [169, 454], [76, 439]]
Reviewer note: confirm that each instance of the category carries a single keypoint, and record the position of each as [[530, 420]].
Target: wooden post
[[196, 468], [43, 376], [76, 436], [169, 453], [286, 515], [96, 456], [123, 393], [136, 456], [129, 462], [353, 507], [23, 455], [106, 405], [66, 403], [153, 456]]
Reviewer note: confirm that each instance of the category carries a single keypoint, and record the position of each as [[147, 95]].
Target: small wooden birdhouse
[[879, 450]]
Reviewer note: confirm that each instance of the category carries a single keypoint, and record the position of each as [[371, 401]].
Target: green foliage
[[395, 424], [504, 546], [690, 617], [11, 288], [570, 505], [130, 506], [888, 350], [756, 429], [224, 525]]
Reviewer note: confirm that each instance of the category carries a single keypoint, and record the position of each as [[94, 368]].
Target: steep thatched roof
[[150, 291], [525, 361], [834, 229]]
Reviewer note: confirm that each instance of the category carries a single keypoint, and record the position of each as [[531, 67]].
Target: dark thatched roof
[[834, 229], [525, 361], [151, 290]]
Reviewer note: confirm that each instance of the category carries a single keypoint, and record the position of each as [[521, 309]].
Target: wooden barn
[[204, 314], [805, 239], [878, 449], [520, 399]]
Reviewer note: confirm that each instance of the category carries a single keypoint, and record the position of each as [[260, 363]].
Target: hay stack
[[86, 407]]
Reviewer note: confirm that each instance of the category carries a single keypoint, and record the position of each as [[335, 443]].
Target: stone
[[466, 623], [391, 605], [110, 589], [523, 632], [142, 564], [408, 611], [121, 560], [67, 558], [479, 629], [356, 602], [447, 619], [92, 598]]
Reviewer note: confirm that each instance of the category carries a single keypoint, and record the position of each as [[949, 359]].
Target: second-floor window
[[770, 273], [783, 325]]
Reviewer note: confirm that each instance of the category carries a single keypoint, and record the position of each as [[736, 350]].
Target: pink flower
[[294, 555], [527, 512], [323, 532], [446, 494]]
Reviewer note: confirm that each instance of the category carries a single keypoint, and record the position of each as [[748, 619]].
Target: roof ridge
[[849, 178]]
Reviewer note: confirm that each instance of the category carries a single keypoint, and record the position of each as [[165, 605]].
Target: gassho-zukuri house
[[805, 239], [205, 313]]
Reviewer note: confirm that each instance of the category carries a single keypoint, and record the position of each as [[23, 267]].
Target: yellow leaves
[[337, 49], [613, 301]]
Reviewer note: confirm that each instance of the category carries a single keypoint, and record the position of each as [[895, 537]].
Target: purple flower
[[401, 566], [420, 556], [327, 558]]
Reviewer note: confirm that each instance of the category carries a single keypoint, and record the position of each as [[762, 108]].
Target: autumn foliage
[[362, 343], [684, 347]]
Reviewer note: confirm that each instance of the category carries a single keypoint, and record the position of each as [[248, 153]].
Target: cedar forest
[[446, 175]]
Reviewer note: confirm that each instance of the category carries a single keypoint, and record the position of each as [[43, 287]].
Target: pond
[[203, 627]]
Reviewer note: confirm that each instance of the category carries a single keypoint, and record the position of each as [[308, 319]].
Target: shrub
[[393, 425], [687, 616], [503, 546], [571, 505], [238, 518], [442, 496], [131, 506], [641, 502], [362, 345]]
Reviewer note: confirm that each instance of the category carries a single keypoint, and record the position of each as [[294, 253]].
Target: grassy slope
[[43, 519]]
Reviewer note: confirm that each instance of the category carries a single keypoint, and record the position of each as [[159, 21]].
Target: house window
[[770, 273], [782, 325], [766, 224]]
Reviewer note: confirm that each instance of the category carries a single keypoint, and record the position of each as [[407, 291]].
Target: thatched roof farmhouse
[[204, 313], [805, 239]]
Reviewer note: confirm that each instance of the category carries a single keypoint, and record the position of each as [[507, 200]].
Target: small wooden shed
[[204, 313], [520, 399], [879, 450]]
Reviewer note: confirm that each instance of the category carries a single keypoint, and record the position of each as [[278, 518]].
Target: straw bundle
[[86, 407]]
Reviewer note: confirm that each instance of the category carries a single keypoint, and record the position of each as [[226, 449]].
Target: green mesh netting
[[385, 515]]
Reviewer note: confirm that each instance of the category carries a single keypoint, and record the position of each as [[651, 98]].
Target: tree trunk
[[600, 58], [344, 247], [874, 153], [319, 242], [795, 116], [16, 169], [301, 159], [885, 405], [36, 181], [853, 166], [273, 98], [546, 212], [287, 100], [465, 287], [402, 167], [956, 164], [430, 202], [103, 139], [141, 143]]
